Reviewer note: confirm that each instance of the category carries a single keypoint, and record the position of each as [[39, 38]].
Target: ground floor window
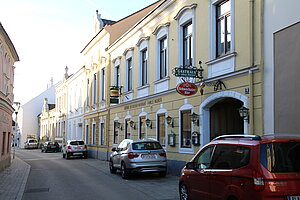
[[161, 129], [116, 132], [93, 133], [87, 134], [3, 142], [127, 129], [101, 137], [186, 136], [142, 128]]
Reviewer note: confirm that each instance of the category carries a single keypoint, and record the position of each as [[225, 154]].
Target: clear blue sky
[[49, 34]]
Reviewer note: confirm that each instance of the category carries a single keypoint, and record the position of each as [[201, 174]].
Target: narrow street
[[52, 177]]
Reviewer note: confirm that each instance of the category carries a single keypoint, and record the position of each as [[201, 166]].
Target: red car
[[244, 167]]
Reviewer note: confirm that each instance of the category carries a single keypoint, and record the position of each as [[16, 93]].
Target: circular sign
[[186, 88]]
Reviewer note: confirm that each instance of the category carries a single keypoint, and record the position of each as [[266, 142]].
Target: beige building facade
[[8, 57]]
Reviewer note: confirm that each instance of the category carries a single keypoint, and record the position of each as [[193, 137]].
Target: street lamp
[[149, 123], [16, 106], [195, 118], [170, 121], [244, 113]]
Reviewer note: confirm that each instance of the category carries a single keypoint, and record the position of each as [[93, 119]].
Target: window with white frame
[[93, 133], [101, 134], [186, 132], [88, 92], [186, 34], [163, 70], [116, 132], [102, 88], [161, 129], [223, 28], [87, 134], [142, 127], [94, 89], [144, 66], [129, 73], [117, 75], [127, 129]]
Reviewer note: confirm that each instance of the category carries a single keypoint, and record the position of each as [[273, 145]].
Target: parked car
[[31, 144], [138, 156], [50, 146], [74, 148], [244, 167]]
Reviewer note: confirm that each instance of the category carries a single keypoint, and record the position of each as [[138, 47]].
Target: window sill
[[162, 80], [221, 58], [143, 87], [128, 92]]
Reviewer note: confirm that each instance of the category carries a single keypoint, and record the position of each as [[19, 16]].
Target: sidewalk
[[13, 180]]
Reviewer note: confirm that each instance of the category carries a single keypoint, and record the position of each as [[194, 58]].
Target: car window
[[77, 143], [146, 146], [203, 158], [280, 157], [230, 157]]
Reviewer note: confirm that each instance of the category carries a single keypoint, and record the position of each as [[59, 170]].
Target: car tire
[[111, 168], [162, 174], [124, 172], [67, 156], [64, 155], [183, 192]]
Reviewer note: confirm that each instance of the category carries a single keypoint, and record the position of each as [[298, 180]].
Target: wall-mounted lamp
[[244, 113], [149, 123], [132, 124], [195, 118], [170, 121]]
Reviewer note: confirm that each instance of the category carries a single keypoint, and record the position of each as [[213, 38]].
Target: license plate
[[146, 156], [293, 197], [76, 154]]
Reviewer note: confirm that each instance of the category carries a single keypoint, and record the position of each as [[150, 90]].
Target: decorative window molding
[[160, 26], [128, 50], [141, 40], [184, 9]]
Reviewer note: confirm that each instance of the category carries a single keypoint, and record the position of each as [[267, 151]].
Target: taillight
[[258, 181], [164, 154], [132, 155], [69, 147]]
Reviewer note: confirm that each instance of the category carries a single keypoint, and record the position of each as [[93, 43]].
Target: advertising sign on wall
[[186, 88]]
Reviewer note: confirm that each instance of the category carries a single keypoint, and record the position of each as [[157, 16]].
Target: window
[[129, 74], [186, 129], [127, 129], [94, 94], [161, 129], [163, 57], [3, 142], [103, 84], [88, 92], [144, 70], [116, 132], [203, 159], [142, 128], [230, 157], [86, 134], [93, 133], [223, 28], [280, 157], [8, 137], [101, 137], [187, 51], [117, 75]]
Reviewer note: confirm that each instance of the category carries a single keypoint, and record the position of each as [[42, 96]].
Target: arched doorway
[[216, 101], [225, 118]]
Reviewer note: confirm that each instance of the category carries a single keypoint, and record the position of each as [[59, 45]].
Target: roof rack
[[253, 137]]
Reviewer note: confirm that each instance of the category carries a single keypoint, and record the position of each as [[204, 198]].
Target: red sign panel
[[186, 88]]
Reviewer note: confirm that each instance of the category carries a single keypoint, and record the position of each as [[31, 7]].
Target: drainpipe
[[251, 52]]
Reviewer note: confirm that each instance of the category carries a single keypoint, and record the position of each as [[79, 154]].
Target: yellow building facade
[[225, 37]]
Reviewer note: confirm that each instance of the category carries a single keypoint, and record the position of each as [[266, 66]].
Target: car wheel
[[67, 156], [183, 192], [111, 168], [42, 150], [162, 174], [124, 172], [64, 155]]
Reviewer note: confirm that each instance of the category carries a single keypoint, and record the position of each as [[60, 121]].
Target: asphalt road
[[52, 177]]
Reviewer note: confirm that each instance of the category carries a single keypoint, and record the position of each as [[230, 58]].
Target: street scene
[[152, 99], [52, 177]]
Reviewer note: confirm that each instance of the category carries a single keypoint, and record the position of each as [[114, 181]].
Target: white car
[[31, 144], [74, 148]]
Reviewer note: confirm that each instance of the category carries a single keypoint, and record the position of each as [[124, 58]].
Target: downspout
[[251, 52]]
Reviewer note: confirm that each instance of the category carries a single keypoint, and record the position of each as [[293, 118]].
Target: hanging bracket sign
[[186, 88]]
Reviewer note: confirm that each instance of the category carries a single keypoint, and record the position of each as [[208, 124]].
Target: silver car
[[31, 144], [138, 156], [74, 148]]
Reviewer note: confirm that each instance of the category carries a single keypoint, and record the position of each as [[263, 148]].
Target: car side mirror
[[114, 149], [191, 165]]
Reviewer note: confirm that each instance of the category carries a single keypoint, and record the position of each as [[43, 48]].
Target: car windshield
[[32, 141], [77, 143], [146, 146], [280, 157]]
